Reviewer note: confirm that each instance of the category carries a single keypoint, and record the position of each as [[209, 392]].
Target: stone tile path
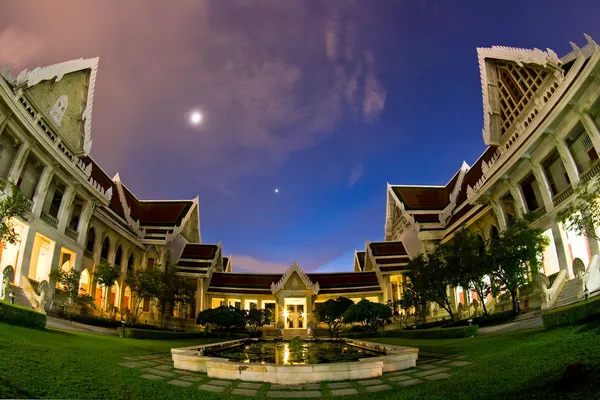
[[430, 367]]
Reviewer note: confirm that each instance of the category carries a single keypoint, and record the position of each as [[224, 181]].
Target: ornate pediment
[[447, 213], [132, 223], [295, 279], [510, 81], [57, 97]]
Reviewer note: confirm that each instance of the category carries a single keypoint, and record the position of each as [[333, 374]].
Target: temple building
[[541, 126]]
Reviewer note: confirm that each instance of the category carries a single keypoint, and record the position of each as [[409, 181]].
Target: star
[[276, 190]]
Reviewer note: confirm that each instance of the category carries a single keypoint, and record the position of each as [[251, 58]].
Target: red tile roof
[[199, 251], [328, 283], [380, 249]]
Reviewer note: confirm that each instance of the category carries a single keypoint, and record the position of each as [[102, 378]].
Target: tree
[[13, 205], [371, 316], [222, 318], [107, 275], [412, 305], [169, 289], [142, 286], [467, 260], [69, 283], [332, 313], [582, 214], [430, 279], [256, 319], [514, 255]]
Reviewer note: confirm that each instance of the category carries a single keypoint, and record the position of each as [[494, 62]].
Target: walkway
[[526, 321], [430, 367], [65, 325]]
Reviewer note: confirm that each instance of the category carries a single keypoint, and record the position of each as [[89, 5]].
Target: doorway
[[295, 314]]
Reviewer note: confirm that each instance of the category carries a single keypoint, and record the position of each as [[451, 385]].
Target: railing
[[591, 278], [540, 212], [591, 172], [29, 203], [562, 195], [551, 293], [88, 254], [72, 233], [49, 219]]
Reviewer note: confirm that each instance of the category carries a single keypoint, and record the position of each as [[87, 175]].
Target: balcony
[[537, 214], [88, 254], [72, 233], [591, 172], [49, 219], [562, 195]]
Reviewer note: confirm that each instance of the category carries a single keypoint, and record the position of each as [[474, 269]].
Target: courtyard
[[522, 364]]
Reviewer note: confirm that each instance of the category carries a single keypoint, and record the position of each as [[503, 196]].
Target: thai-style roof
[[360, 256], [379, 249], [345, 282], [199, 251]]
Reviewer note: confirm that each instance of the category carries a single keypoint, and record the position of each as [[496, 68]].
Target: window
[[146, 305], [130, 263], [91, 238], [217, 302], [251, 305], [119, 256], [150, 264], [236, 303], [105, 247]]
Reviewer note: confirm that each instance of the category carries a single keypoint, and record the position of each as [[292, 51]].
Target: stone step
[[20, 297]]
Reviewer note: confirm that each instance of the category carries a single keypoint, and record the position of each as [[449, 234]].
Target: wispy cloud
[[355, 174], [242, 263]]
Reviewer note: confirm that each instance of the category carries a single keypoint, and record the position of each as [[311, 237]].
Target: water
[[293, 352]]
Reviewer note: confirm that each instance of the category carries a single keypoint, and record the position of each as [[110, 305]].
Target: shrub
[[18, 315], [135, 333], [437, 333], [572, 314]]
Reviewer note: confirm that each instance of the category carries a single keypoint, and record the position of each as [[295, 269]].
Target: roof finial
[[576, 48], [589, 39]]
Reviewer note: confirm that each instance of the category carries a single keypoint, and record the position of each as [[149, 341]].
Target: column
[[590, 127], [542, 182], [4, 121], [27, 249], [499, 211], [84, 220], [562, 250], [199, 295], [53, 267], [567, 159], [17, 168], [66, 204], [41, 190], [518, 197]]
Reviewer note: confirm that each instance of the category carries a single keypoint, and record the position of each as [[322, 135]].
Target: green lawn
[[528, 364]]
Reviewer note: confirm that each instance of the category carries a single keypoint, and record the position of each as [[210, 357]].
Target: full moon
[[276, 190], [196, 117]]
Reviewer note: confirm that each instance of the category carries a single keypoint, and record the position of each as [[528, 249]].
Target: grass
[[514, 365], [525, 364]]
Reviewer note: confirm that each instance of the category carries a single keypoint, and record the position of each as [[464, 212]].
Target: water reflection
[[293, 352]]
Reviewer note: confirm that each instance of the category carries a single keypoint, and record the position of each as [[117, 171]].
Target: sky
[[326, 101]]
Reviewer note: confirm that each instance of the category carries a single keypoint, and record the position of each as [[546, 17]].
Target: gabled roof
[[488, 57], [360, 260], [199, 251], [294, 269], [56, 72]]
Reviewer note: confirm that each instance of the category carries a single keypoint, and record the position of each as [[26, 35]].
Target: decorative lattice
[[517, 86]]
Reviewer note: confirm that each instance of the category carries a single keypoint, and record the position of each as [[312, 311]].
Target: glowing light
[[285, 313], [276, 190], [196, 118]]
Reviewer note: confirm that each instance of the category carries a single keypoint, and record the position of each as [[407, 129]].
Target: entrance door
[[295, 316]]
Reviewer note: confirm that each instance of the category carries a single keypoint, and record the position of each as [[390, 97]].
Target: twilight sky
[[324, 100]]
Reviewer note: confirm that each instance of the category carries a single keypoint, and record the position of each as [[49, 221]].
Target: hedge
[[134, 333], [94, 320], [18, 315], [436, 333], [482, 320], [572, 314]]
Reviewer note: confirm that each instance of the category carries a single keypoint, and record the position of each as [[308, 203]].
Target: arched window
[[74, 222], [130, 263], [105, 247], [494, 234], [91, 239], [119, 256]]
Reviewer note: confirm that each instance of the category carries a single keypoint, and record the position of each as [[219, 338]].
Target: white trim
[[276, 287], [57, 71], [133, 224]]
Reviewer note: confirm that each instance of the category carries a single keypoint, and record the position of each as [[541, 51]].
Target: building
[[541, 127]]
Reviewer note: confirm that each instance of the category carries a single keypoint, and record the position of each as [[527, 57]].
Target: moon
[[276, 190], [196, 118]]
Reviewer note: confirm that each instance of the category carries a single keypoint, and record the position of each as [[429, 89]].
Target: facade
[[542, 131]]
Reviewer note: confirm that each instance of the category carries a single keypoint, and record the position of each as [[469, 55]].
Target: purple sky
[[325, 100]]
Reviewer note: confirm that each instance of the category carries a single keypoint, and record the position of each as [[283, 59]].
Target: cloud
[[251, 264], [252, 67], [355, 175]]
